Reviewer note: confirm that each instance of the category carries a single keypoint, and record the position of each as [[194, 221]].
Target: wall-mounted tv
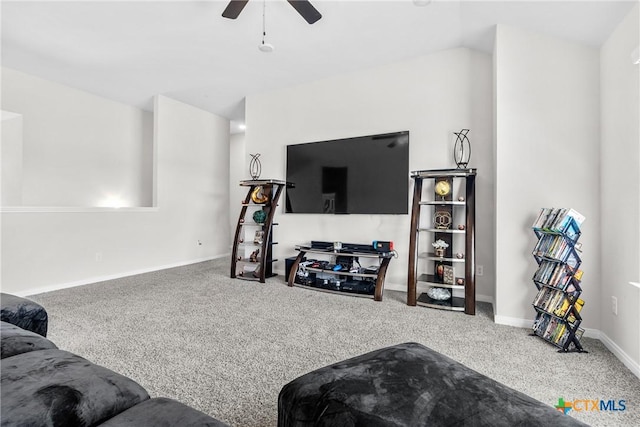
[[362, 175]]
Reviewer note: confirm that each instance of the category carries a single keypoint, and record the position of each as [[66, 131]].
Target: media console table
[[322, 275]]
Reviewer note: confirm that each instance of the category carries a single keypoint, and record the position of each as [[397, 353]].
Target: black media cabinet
[[341, 270]]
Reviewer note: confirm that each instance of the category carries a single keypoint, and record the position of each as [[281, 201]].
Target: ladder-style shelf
[[558, 278], [252, 254]]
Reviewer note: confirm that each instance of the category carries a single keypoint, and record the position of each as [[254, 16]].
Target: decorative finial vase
[[255, 167], [462, 149]]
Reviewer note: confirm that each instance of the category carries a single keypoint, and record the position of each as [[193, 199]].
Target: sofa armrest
[[24, 313]]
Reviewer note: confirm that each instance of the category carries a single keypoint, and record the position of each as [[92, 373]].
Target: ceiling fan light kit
[[266, 47]]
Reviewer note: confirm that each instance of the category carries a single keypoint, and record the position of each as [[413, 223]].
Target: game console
[[358, 287]]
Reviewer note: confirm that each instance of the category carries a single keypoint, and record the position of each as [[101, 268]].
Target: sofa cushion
[[15, 340], [162, 412], [58, 388], [25, 313], [408, 385]]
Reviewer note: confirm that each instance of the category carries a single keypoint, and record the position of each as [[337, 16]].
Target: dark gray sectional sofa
[[42, 385]]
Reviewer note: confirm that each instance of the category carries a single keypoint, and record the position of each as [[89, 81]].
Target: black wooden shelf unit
[[252, 252], [442, 240]]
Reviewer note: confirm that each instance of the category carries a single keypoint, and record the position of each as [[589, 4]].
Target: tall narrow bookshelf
[[252, 251], [443, 210], [558, 278]]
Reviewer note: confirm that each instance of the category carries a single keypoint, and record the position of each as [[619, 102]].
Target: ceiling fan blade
[[306, 9], [234, 8]]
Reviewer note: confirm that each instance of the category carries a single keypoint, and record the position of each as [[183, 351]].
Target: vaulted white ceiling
[[131, 51]]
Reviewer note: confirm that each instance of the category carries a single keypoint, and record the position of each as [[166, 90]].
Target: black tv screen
[[363, 175]]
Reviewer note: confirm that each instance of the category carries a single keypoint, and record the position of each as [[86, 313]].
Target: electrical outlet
[[614, 305], [98, 256], [479, 270], [199, 243]]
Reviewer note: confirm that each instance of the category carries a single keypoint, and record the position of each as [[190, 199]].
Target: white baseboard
[[486, 298], [90, 280], [620, 354], [395, 286], [512, 321]]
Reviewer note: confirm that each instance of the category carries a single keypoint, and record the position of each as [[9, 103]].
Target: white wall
[[482, 128], [11, 155], [547, 147], [239, 171], [431, 96], [620, 183], [79, 149], [44, 250]]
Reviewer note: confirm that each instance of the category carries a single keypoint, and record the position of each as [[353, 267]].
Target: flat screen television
[[362, 175]]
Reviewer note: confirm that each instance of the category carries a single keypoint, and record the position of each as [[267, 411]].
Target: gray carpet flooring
[[227, 346]]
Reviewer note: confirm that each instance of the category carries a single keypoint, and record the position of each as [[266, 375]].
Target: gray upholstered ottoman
[[16, 340], [23, 312], [408, 385], [162, 412]]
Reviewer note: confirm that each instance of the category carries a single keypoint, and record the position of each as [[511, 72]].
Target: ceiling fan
[[303, 7]]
